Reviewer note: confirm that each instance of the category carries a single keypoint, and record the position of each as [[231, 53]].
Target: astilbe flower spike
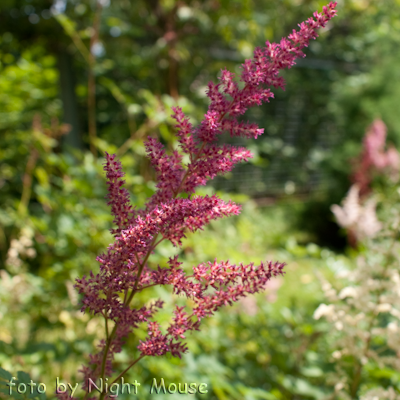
[[167, 216]]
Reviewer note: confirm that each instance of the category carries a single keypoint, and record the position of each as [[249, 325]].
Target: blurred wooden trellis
[[299, 146]]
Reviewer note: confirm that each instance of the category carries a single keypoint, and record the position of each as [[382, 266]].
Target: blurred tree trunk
[[68, 97]]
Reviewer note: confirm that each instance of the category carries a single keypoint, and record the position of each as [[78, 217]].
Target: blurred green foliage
[[152, 55]]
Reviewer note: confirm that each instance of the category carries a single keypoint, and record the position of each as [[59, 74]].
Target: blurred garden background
[[81, 77]]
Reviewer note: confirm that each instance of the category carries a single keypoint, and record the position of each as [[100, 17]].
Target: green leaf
[[23, 377], [5, 374]]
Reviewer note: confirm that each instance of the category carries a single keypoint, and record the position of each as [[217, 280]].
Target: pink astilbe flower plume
[[374, 159], [174, 209]]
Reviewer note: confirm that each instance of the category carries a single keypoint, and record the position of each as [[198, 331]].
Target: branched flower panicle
[[166, 216]]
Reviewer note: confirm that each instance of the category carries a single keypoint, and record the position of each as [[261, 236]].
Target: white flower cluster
[[359, 218], [379, 394], [364, 309], [21, 248]]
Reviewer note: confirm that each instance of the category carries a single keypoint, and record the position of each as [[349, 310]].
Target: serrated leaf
[[33, 395], [23, 377], [5, 374], [14, 395], [42, 396]]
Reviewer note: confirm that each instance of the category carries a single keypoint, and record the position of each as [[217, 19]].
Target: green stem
[[126, 303], [127, 369], [358, 370], [359, 367], [134, 290], [106, 326]]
